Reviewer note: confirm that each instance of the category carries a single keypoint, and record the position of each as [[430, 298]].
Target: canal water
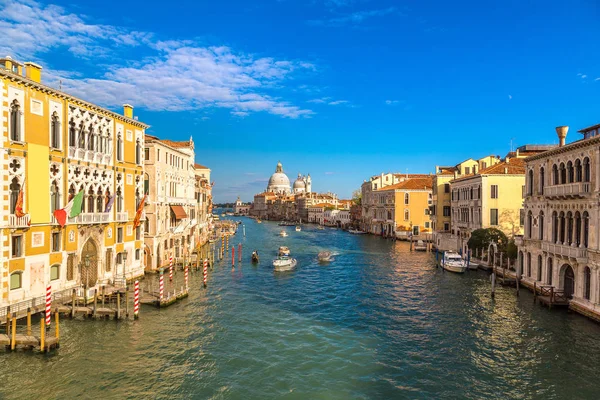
[[378, 322]]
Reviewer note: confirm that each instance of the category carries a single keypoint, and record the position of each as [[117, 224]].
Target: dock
[[14, 340]]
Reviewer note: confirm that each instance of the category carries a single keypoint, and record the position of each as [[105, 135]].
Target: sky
[[340, 89]]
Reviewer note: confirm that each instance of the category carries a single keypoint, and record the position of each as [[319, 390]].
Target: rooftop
[[412, 184]]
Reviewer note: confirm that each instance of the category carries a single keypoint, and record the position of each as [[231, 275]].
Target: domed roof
[[279, 179], [299, 183]]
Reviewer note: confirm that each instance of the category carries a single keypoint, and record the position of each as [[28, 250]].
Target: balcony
[[19, 222], [122, 216], [568, 191], [576, 253], [90, 218]]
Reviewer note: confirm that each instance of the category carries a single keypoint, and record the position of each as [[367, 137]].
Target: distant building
[[241, 208]]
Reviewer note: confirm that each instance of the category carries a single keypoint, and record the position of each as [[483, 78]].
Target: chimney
[[508, 160], [128, 110], [561, 131], [517, 153], [33, 71], [505, 170]]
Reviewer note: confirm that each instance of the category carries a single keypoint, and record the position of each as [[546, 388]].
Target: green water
[[378, 322]]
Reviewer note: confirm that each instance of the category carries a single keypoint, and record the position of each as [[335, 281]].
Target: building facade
[[561, 245], [54, 146], [241, 208], [202, 229]]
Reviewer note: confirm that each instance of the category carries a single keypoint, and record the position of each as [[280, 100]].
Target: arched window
[[586, 169], [106, 199], [542, 180], [16, 280], [578, 171], [55, 272], [554, 227], [555, 180], [563, 173], [55, 131], [586, 228], [81, 136], [549, 272], [539, 268], [561, 219], [569, 228], [15, 121], [99, 201], [15, 188], [530, 183], [119, 200], [138, 152], [54, 197], [529, 225], [541, 225], [577, 228], [570, 172], [90, 201], [90, 139], [528, 264], [72, 133], [119, 148], [406, 215], [587, 275], [521, 262], [406, 198]]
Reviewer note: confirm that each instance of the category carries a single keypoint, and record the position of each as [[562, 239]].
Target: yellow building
[[403, 208], [53, 146]]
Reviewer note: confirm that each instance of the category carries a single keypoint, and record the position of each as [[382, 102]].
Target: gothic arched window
[[15, 121], [55, 131]]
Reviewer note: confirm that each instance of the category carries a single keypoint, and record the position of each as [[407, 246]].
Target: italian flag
[[71, 210]]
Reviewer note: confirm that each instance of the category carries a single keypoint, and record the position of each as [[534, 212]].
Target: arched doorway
[[89, 264], [569, 281]]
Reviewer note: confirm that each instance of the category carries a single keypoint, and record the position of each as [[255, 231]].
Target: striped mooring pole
[[171, 268], [136, 300], [205, 272], [186, 277], [48, 305], [161, 285], [233, 255]]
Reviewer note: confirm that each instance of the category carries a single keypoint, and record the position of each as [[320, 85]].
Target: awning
[[179, 212]]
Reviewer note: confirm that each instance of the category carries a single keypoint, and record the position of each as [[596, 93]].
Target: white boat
[[324, 256], [298, 229], [355, 231], [321, 227], [420, 246], [284, 263], [283, 251], [283, 234], [453, 262]]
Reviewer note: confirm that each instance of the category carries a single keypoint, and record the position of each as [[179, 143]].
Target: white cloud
[[338, 102], [329, 101], [597, 79], [354, 18], [391, 102], [582, 76], [510, 96], [329, 173], [178, 76]]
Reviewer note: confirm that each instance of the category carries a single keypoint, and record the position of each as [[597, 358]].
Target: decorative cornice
[[582, 143]]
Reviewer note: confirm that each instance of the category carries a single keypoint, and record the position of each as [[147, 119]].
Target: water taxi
[[324, 256], [283, 251], [284, 263], [298, 229], [283, 234], [453, 262]]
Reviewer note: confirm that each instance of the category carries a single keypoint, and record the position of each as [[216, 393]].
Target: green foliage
[[511, 249], [357, 197], [481, 239]]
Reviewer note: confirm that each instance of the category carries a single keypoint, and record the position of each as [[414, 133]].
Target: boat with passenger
[[298, 229], [283, 251], [255, 258], [420, 246], [453, 262], [283, 234], [324, 256], [284, 263]]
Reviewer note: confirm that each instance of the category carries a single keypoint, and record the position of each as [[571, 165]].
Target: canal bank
[[378, 322]]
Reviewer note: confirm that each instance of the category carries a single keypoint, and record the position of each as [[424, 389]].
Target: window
[[586, 283], [375, 186], [119, 258], [426, 224], [15, 188], [137, 232], [446, 188], [17, 245], [541, 225], [467, 170], [108, 259], [56, 241], [542, 180], [406, 215], [530, 182], [55, 131], [529, 225], [119, 235], [15, 121], [157, 154], [586, 169], [494, 216], [494, 191], [137, 254], [72, 134], [529, 264], [539, 268], [119, 147], [446, 226], [523, 191], [406, 198], [54, 197], [16, 280], [146, 154], [55, 272]]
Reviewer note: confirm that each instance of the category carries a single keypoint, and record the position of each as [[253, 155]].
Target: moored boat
[[453, 262], [355, 231], [420, 246], [298, 229]]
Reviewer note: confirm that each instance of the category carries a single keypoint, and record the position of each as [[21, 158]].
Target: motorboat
[[255, 258], [298, 229], [356, 232], [453, 262], [258, 221], [284, 263], [324, 256], [420, 246], [284, 223], [283, 251], [321, 227], [283, 234]]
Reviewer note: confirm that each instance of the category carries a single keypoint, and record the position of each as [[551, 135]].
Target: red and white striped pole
[[48, 305], [171, 268], [205, 271], [161, 285], [136, 300], [233, 255], [186, 277]]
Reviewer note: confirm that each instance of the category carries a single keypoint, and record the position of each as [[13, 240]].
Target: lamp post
[[87, 277]]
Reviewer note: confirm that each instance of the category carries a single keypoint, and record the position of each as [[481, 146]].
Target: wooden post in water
[[551, 297], [73, 304], [534, 291], [28, 321], [493, 284], [56, 319], [42, 335], [8, 321], [118, 305], [126, 301], [96, 302], [517, 279], [13, 340]]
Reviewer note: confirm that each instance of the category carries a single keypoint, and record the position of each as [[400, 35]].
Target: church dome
[[299, 183], [279, 182]]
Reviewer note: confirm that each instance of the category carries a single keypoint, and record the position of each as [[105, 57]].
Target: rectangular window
[[158, 155], [467, 170], [494, 216], [137, 254], [137, 232], [119, 258], [108, 261], [15, 280], [17, 246], [55, 272], [427, 211], [494, 191], [119, 235], [446, 188], [426, 224], [146, 153], [446, 226], [56, 241], [446, 211], [521, 217]]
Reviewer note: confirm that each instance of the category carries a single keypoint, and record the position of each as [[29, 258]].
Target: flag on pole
[[19, 205], [110, 203], [138, 214], [71, 210]]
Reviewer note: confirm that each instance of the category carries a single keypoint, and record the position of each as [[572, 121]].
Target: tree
[[357, 197], [511, 249], [481, 238]]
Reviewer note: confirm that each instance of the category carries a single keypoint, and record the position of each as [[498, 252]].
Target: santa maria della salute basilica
[[279, 183]]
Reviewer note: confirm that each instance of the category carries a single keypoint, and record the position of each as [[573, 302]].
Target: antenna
[[511, 144]]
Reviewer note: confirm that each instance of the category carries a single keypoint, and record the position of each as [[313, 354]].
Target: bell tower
[[308, 184]]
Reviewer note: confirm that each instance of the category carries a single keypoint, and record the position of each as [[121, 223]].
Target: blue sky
[[340, 89]]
